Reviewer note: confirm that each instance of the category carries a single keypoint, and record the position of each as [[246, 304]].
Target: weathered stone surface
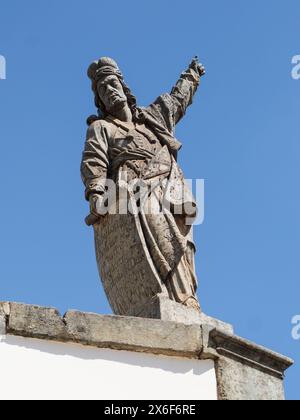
[[216, 323], [124, 333], [246, 371], [2, 323], [4, 308], [120, 333], [167, 310], [4, 313], [238, 381], [128, 274], [35, 321]]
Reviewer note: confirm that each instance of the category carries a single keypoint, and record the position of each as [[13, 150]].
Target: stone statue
[[140, 254]]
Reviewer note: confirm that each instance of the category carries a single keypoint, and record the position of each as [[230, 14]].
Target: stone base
[[242, 370], [161, 307]]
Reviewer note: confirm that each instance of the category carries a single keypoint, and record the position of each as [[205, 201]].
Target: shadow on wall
[[144, 360]]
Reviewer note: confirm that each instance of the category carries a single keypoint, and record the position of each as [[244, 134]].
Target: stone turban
[[102, 68]]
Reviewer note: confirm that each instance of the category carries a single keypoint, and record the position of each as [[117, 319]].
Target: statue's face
[[112, 94]]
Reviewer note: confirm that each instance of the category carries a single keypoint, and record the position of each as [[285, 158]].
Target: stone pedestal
[[205, 358], [161, 307]]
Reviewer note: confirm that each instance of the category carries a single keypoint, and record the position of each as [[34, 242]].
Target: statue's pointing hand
[[198, 67]]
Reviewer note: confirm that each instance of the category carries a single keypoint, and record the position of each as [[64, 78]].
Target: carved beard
[[117, 105]]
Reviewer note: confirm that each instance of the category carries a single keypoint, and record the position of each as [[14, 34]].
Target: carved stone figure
[[150, 252]]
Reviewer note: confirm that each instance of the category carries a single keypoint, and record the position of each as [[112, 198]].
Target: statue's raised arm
[[173, 106], [186, 87]]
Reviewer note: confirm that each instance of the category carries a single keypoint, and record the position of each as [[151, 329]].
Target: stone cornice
[[138, 334], [248, 353]]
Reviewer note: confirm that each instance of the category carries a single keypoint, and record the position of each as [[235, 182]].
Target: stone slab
[[35, 321], [121, 333], [126, 333], [167, 310]]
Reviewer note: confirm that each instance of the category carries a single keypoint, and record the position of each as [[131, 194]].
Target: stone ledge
[[244, 370], [138, 334], [144, 335], [115, 332]]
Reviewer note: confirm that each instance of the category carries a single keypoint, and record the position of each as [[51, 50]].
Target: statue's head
[[111, 92]]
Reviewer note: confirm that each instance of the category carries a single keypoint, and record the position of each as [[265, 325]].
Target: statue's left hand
[[198, 67]]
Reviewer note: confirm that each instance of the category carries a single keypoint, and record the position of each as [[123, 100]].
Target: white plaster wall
[[39, 369]]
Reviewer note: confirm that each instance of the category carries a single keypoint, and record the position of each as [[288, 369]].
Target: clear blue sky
[[241, 136]]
